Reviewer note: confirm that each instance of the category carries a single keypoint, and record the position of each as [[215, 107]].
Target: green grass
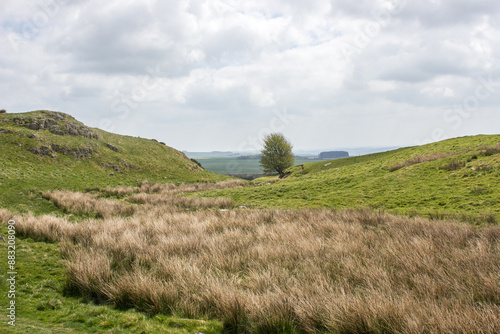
[[463, 184], [24, 175], [42, 306]]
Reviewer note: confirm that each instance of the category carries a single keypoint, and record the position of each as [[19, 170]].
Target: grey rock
[[33, 126], [113, 148], [42, 151]]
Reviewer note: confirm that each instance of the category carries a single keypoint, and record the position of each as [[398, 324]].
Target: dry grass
[[453, 165], [485, 150], [419, 159], [170, 188], [89, 203], [181, 202], [164, 194], [488, 150], [284, 271]]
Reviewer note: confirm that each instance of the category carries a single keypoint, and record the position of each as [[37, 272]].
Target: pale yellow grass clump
[[294, 271], [170, 188], [86, 203], [165, 194], [418, 159]]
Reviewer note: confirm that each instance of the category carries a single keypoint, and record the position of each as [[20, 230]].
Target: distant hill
[[457, 177], [333, 155], [42, 150]]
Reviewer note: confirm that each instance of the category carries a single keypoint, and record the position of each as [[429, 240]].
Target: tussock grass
[[89, 203], [418, 159], [164, 195], [307, 271], [488, 150]]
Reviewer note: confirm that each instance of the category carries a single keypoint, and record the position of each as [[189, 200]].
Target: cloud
[[211, 74]]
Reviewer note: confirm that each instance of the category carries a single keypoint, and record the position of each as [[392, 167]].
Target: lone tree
[[276, 156]]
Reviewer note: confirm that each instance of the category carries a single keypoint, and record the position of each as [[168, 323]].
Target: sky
[[219, 75]]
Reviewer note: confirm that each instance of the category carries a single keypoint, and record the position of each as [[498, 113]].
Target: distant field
[[233, 165]]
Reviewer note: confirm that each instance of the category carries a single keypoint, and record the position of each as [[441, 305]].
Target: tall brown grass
[[165, 194], [418, 159], [170, 188], [89, 203], [276, 271]]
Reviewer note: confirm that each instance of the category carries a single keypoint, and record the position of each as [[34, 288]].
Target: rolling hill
[[44, 150], [457, 177]]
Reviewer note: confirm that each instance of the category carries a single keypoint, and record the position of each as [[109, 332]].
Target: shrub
[[453, 165]]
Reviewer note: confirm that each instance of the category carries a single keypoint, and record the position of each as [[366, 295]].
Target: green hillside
[[43, 150], [458, 177]]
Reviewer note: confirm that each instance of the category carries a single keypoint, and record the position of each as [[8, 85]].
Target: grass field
[[456, 178], [117, 234], [259, 271]]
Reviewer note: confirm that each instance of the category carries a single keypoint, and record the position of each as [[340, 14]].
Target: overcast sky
[[219, 75]]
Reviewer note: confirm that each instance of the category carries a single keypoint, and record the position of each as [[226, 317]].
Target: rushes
[[286, 271], [164, 195], [88, 203], [418, 159]]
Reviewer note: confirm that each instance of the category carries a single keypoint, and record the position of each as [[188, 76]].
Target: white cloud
[[209, 74]]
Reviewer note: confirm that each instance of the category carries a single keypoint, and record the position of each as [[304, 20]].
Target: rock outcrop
[[49, 151], [113, 148], [57, 123]]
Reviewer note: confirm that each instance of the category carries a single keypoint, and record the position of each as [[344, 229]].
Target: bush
[[196, 162], [453, 165]]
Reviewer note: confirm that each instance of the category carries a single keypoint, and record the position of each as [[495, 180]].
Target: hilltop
[[45, 150], [457, 177]]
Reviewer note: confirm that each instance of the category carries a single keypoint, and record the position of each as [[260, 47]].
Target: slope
[[457, 177], [43, 150]]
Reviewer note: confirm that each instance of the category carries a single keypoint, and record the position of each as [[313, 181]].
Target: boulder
[[42, 151], [113, 148]]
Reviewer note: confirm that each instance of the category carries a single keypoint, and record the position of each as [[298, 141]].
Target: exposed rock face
[[118, 168], [49, 151], [42, 151], [57, 123], [114, 167]]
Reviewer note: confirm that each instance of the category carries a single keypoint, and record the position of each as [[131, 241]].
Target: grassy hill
[[458, 177], [144, 260], [44, 150]]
